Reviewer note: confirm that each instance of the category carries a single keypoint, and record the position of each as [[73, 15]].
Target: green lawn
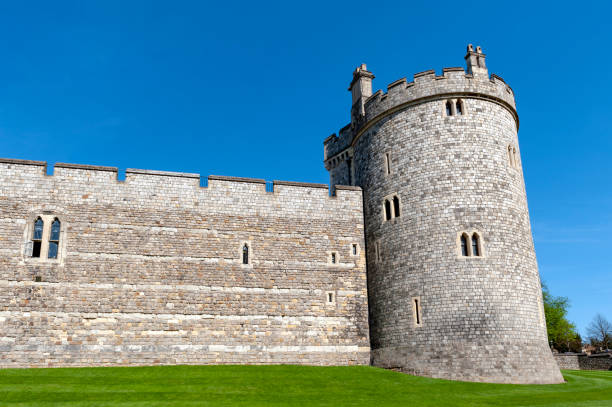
[[282, 385]]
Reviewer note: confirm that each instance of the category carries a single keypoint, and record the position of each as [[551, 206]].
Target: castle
[[420, 258]]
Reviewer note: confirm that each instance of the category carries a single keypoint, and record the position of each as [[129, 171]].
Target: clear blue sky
[[253, 88]]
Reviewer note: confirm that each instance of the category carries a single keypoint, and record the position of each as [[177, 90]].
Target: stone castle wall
[[582, 361], [481, 318], [150, 270]]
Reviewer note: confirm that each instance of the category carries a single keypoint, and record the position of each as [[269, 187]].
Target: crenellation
[[418, 255], [148, 182]]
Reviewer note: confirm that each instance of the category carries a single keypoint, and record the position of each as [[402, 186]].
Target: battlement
[[427, 85], [455, 82], [173, 184]]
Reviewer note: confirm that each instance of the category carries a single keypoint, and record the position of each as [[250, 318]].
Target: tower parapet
[[455, 82]]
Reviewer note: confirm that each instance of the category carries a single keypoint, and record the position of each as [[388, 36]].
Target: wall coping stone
[[236, 179], [85, 167], [300, 184], [162, 173], [23, 162]]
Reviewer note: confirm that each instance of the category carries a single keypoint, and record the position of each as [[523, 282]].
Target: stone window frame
[[377, 252], [417, 312], [47, 216], [249, 263], [331, 303], [461, 104], [453, 107], [513, 156], [333, 258], [390, 198], [469, 234], [354, 247], [387, 163], [448, 108]]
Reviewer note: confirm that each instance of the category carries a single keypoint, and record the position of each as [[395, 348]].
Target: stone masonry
[[150, 270], [582, 361], [156, 269], [445, 148]]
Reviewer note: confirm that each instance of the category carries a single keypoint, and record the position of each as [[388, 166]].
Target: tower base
[[474, 362]]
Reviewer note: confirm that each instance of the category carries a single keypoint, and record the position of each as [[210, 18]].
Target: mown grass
[[282, 385]]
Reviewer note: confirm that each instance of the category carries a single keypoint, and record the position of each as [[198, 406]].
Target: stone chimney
[[476, 61], [361, 89]]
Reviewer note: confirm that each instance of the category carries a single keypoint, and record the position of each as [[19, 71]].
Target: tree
[[600, 332], [562, 333]]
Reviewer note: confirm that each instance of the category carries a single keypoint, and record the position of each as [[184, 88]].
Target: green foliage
[[172, 386], [561, 332]]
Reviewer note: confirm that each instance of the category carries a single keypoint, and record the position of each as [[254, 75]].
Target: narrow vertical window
[[245, 254], [354, 250], [388, 163], [449, 108], [378, 254], [330, 297], [514, 158], [54, 239], [475, 245], [510, 156], [387, 209], [459, 107], [37, 237], [396, 206], [333, 258], [464, 245], [417, 311]]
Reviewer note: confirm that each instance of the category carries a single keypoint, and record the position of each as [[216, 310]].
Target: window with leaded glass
[[475, 245], [37, 235], [54, 239], [459, 107], [464, 245]]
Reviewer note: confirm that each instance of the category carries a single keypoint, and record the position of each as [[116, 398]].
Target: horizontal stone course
[[150, 270], [479, 318]]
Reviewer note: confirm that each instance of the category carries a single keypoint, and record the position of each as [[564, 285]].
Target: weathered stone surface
[[582, 361], [481, 317], [150, 270]]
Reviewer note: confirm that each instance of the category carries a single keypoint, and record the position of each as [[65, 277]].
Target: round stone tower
[[454, 290]]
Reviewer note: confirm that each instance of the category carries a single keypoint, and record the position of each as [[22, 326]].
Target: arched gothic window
[[37, 234], [387, 209], [54, 239], [464, 245], [475, 245], [245, 254], [449, 108], [459, 107], [396, 206]]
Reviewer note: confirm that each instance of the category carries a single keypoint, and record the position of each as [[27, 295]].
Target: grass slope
[[282, 385]]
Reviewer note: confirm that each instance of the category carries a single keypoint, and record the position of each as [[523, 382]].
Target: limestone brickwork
[[156, 269], [150, 270], [480, 318], [582, 361]]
